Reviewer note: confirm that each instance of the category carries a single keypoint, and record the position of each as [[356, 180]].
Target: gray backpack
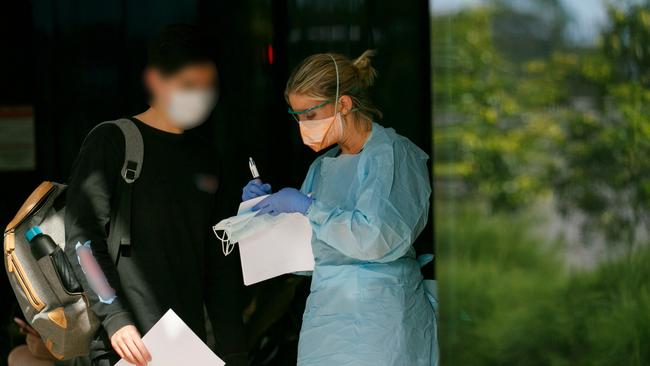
[[64, 320]]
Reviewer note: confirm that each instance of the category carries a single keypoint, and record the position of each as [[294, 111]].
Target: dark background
[[79, 63]]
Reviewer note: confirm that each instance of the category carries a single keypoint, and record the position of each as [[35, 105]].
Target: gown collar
[[337, 150]]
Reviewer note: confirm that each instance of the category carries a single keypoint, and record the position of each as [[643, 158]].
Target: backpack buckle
[[130, 171]]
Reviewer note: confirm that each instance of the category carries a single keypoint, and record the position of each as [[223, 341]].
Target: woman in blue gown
[[367, 200]]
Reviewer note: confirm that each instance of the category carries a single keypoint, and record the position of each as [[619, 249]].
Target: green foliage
[[506, 298], [627, 42], [511, 127], [571, 123], [604, 171], [610, 310], [498, 291], [482, 133]]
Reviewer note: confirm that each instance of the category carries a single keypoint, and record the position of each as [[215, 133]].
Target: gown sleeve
[[391, 207]]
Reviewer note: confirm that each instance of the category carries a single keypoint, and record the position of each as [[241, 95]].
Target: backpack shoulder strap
[[134, 148], [119, 238], [134, 151]]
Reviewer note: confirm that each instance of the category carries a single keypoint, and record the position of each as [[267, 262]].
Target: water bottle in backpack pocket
[[46, 288]]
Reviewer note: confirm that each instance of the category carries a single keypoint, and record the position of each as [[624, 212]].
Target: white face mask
[[190, 108], [233, 229]]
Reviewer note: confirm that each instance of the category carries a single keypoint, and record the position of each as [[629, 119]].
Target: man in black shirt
[[174, 261]]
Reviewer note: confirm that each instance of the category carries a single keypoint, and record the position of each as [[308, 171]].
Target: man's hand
[[25, 328], [128, 345], [37, 348], [34, 342]]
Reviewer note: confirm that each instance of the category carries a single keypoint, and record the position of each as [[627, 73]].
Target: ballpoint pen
[[253, 168]]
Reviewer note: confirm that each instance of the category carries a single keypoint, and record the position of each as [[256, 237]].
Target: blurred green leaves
[[507, 298], [511, 129], [572, 122]]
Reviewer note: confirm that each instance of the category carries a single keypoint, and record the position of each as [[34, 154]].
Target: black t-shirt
[[175, 261]]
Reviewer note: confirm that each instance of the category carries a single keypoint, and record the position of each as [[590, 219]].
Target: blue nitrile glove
[[287, 200], [255, 188]]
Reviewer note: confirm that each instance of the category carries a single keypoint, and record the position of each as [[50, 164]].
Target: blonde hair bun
[[366, 72]]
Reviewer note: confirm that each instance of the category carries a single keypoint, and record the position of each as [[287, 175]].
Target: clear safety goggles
[[296, 114]]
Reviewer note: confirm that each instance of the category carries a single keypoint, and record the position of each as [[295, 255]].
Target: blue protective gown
[[368, 304]]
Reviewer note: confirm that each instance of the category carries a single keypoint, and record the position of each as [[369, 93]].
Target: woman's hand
[[287, 200], [255, 188], [128, 345]]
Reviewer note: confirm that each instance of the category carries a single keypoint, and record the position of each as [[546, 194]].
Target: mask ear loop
[[226, 246], [336, 67], [336, 101]]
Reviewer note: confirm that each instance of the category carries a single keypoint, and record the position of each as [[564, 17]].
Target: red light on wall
[[269, 53]]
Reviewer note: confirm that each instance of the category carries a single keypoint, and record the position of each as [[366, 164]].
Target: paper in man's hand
[[172, 343]]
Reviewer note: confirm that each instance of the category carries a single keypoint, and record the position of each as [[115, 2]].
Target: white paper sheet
[[172, 343], [284, 248]]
